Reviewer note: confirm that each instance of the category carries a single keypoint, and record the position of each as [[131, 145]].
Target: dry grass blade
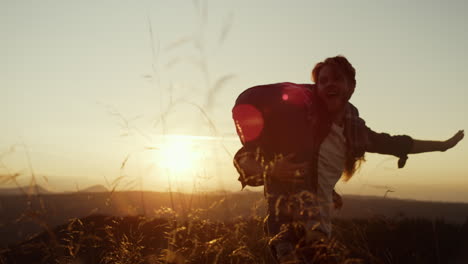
[[226, 28], [204, 12], [124, 162], [7, 178], [388, 191], [211, 125], [126, 124], [217, 86], [117, 181], [201, 64], [179, 43], [10, 150], [196, 4], [376, 186], [172, 63], [154, 52], [151, 148]]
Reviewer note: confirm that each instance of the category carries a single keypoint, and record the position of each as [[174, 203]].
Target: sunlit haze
[[138, 94]]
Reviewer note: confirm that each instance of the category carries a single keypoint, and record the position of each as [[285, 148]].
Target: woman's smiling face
[[334, 89]]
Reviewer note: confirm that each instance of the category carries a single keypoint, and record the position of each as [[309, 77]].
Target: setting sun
[[178, 155]]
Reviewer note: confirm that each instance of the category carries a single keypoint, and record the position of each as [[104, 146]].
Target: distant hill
[[94, 189], [30, 190], [368, 206]]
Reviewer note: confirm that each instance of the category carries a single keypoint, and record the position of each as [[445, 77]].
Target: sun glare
[[178, 155]]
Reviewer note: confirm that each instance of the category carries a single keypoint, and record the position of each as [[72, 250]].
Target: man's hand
[[451, 142], [285, 170]]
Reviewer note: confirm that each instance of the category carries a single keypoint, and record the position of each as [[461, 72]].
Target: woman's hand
[[451, 142], [420, 146], [285, 170]]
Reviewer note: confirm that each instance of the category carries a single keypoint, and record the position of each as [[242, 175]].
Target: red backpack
[[275, 117]]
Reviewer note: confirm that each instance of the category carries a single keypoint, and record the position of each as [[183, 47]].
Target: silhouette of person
[[300, 159]]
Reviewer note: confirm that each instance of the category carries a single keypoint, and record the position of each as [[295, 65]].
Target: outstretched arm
[[420, 146], [402, 145]]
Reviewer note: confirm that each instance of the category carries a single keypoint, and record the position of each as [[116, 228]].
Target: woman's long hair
[[352, 164]]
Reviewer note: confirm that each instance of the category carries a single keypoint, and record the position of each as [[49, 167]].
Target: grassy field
[[149, 227]]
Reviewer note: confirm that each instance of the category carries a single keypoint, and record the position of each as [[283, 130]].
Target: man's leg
[[284, 244], [294, 245]]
